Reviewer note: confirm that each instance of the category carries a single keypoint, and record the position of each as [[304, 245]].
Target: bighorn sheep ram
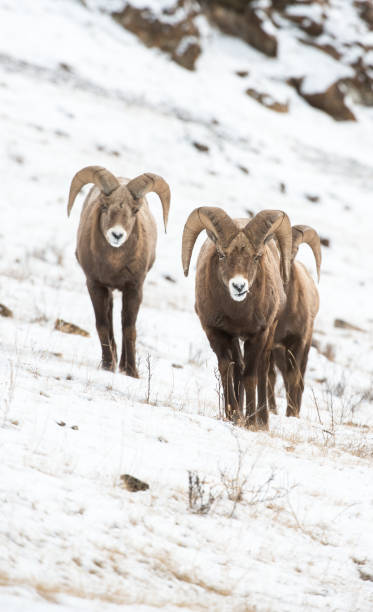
[[294, 330], [240, 296], [116, 248]]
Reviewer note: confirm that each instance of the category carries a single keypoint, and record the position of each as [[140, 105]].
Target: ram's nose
[[239, 286], [116, 236]]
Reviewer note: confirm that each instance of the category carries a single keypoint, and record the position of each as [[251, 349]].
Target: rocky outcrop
[[365, 9], [360, 86], [268, 101], [179, 37], [331, 100], [175, 30], [245, 23]]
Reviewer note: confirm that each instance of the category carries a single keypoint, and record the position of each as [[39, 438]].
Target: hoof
[[292, 413], [256, 425], [260, 426], [233, 413], [110, 367], [250, 425], [129, 372]]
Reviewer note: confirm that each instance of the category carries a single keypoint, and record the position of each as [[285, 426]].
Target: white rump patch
[[238, 288], [116, 236]]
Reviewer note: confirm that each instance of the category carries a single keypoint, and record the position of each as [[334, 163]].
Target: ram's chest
[[108, 269], [237, 321]]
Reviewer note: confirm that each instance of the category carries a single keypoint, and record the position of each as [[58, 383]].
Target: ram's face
[[238, 266], [118, 216]]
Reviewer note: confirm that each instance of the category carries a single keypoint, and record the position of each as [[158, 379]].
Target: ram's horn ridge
[[102, 178], [266, 224], [148, 182], [307, 235], [210, 218]]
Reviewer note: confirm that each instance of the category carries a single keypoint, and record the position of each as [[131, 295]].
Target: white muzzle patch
[[116, 236], [238, 288]]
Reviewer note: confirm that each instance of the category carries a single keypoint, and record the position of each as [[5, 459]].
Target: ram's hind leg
[[272, 384], [102, 301], [293, 374], [302, 373]]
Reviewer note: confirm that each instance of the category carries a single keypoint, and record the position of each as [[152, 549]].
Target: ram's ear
[[136, 205]]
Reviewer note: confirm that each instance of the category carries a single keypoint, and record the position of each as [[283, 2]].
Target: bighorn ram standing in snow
[[116, 248], [240, 296], [294, 330]]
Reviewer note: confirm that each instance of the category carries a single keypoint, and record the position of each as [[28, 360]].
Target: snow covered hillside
[[280, 521]]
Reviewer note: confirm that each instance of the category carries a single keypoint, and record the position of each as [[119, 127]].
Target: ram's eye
[[257, 257], [221, 255], [135, 210], [104, 208]]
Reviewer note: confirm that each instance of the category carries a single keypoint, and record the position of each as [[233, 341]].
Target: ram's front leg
[[263, 372], [221, 344], [255, 377], [249, 379], [102, 301], [238, 369], [131, 300]]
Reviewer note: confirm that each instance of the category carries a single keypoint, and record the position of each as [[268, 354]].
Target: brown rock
[[247, 25], [331, 101], [5, 311], [70, 328], [133, 484], [361, 85], [365, 8], [310, 27], [243, 169], [235, 5], [267, 101], [201, 147], [242, 73], [328, 350], [280, 5], [341, 324], [312, 197], [177, 38], [325, 47]]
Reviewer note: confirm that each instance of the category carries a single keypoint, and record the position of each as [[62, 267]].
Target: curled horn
[[212, 219], [304, 233], [267, 224], [102, 178], [144, 183]]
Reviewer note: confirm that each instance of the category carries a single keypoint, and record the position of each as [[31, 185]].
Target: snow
[[71, 537]]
